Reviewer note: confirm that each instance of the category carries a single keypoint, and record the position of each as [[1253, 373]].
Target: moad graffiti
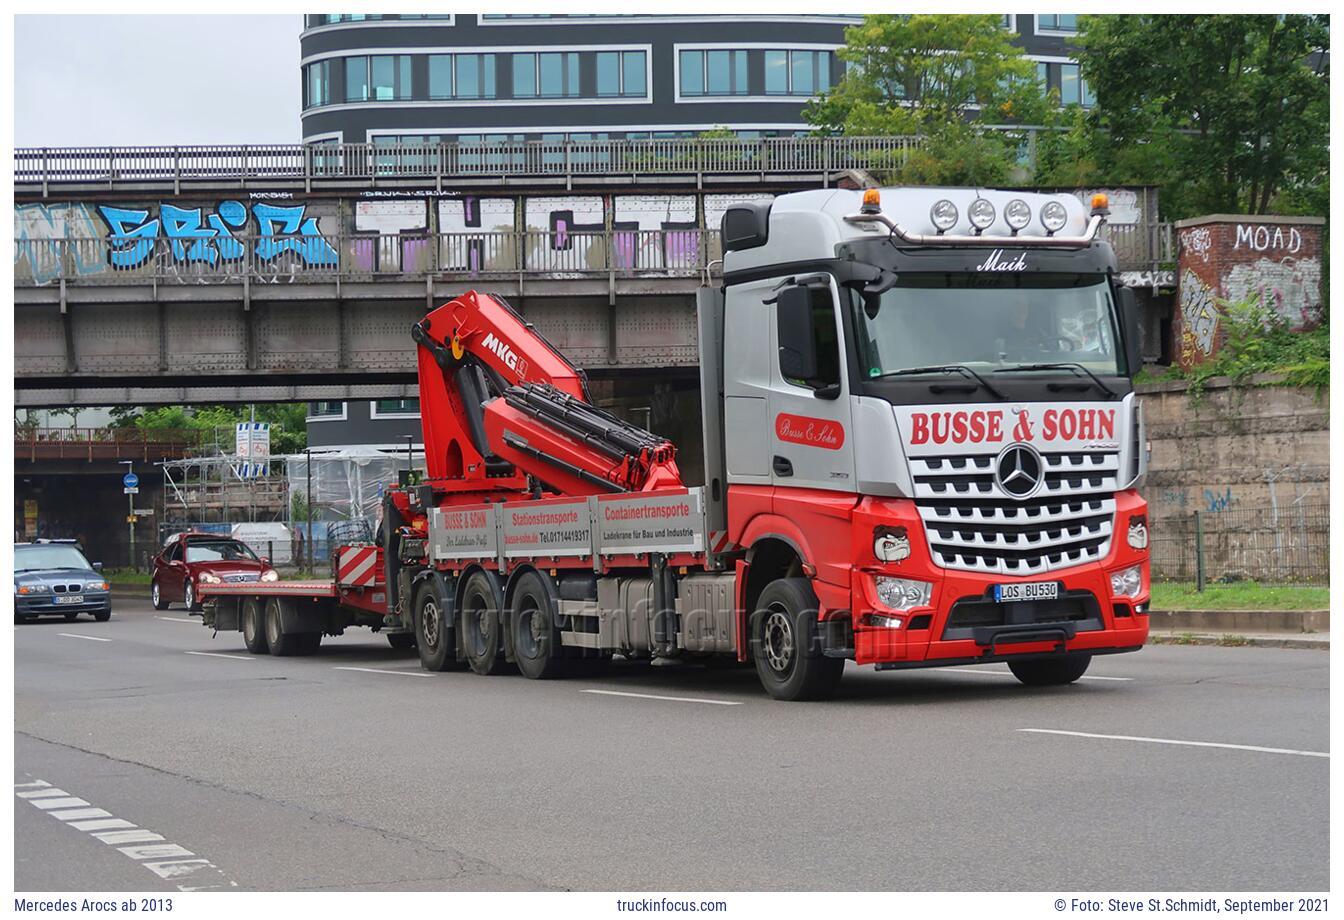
[[195, 236], [1198, 312], [1264, 238]]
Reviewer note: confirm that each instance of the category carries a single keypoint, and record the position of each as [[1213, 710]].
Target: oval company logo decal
[[813, 432]]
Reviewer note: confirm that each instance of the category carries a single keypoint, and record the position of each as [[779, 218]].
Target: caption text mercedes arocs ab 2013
[[922, 448]]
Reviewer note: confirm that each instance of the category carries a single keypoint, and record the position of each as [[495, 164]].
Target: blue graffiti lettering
[[286, 229], [1217, 503], [208, 244], [131, 234]]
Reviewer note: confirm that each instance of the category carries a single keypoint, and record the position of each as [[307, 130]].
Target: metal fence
[[45, 166], [1285, 545], [130, 260]]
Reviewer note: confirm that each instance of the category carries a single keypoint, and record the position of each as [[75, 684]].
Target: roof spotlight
[[981, 214], [1018, 214], [943, 214], [1054, 217]]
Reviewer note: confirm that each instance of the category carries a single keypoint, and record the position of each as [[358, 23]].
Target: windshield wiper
[[944, 369], [1062, 366]]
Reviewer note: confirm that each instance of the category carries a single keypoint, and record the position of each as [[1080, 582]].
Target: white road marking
[[385, 671], [76, 636], [166, 860], [1209, 744], [222, 655], [998, 673], [178, 620], [674, 699]]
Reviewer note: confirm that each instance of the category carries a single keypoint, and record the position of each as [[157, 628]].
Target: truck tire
[[434, 637], [536, 640], [1051, 672], [156, 596], [254, 625], [277, 640], [784, 643], [401, 641], [481, 623]]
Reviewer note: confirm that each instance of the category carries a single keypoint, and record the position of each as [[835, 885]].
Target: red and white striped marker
[[357, 565]]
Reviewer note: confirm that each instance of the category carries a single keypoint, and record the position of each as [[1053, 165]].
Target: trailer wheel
[[433, 636], [277, 640], [482, 625], [254, 626], [401, 641], [785, 644], [536, 641], [1050, 672]]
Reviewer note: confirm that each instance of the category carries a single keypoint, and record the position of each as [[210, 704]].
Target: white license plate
[[1027, 591], [71, 599]]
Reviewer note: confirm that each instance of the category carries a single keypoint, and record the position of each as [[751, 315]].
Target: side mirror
[[265, 560], [1129, 328], [97, 566], [797, 337]]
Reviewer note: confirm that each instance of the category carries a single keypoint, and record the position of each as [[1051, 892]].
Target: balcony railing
[[369, 163], [117, 260]]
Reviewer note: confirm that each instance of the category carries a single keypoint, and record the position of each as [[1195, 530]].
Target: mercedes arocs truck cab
[[928, 412]]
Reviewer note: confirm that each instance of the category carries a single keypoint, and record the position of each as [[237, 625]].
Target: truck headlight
[[902, 593], [981, 213], [1054, 216], [270, 575], [1017, 213], [1127, 582], [943, 215], [208, 578]]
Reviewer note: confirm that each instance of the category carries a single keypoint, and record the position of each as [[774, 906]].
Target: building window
[[713, 73], [395, 407], [461, 76], [797, 73], [1073, 89], [382, 77], [1057, 22], [326, 411], [319, 83], [349, 17], [620, 73], [547, 75]]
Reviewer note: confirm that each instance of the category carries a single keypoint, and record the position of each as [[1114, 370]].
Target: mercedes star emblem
[[1018, 470]]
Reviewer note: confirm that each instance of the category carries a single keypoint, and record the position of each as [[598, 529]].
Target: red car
[[191, 559]]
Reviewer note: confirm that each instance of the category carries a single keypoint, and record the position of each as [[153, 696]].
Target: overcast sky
[[83, 80]]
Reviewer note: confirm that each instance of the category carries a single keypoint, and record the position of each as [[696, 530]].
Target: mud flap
[[223, 614]]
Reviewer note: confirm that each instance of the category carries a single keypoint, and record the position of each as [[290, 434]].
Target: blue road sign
[[130, 480]]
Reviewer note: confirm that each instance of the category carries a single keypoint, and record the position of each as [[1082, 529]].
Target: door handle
[[782, 466]]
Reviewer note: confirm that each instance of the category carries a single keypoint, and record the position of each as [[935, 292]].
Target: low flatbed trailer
[[922, 448]]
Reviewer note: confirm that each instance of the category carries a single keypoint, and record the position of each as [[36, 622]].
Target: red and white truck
[[922, 448]]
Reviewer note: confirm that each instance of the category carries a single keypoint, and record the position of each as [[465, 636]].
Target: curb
[[1232, 640], [130, 591], [1240, 621]]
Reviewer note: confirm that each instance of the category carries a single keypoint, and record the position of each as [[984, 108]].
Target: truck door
[[810, 437]]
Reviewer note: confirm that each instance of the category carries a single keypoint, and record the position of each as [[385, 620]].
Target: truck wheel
[[254, 626], [401, 641], [788, 656], [481, 624], [156, 596], [1050, 672], [277, 640], [536, 641], [433, 636]]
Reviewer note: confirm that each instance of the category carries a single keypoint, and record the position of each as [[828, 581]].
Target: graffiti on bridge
[[195, 236], [39, 234]]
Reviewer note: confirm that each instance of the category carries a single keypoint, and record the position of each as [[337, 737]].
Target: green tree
[[1226, 112], [942, 78]]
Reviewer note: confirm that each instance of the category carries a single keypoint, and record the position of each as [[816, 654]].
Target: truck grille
[[972, 525]]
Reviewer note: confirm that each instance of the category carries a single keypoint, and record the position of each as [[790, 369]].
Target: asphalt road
[[354, 769]]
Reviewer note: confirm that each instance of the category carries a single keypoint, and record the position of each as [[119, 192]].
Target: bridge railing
[[120, 260], [33, 443], [45, 166]]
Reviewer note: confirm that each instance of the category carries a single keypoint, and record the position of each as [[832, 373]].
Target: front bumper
[[962, 623], [45, 604]]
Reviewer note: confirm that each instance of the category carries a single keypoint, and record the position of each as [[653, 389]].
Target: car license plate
[[71, 599], [1027, 591]]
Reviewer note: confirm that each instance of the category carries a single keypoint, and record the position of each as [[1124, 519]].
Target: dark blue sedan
[[55, 578]]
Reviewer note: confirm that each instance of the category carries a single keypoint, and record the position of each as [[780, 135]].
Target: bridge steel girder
[[136, 344]]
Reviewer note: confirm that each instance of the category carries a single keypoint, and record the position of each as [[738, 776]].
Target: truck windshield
[[988, 324]]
